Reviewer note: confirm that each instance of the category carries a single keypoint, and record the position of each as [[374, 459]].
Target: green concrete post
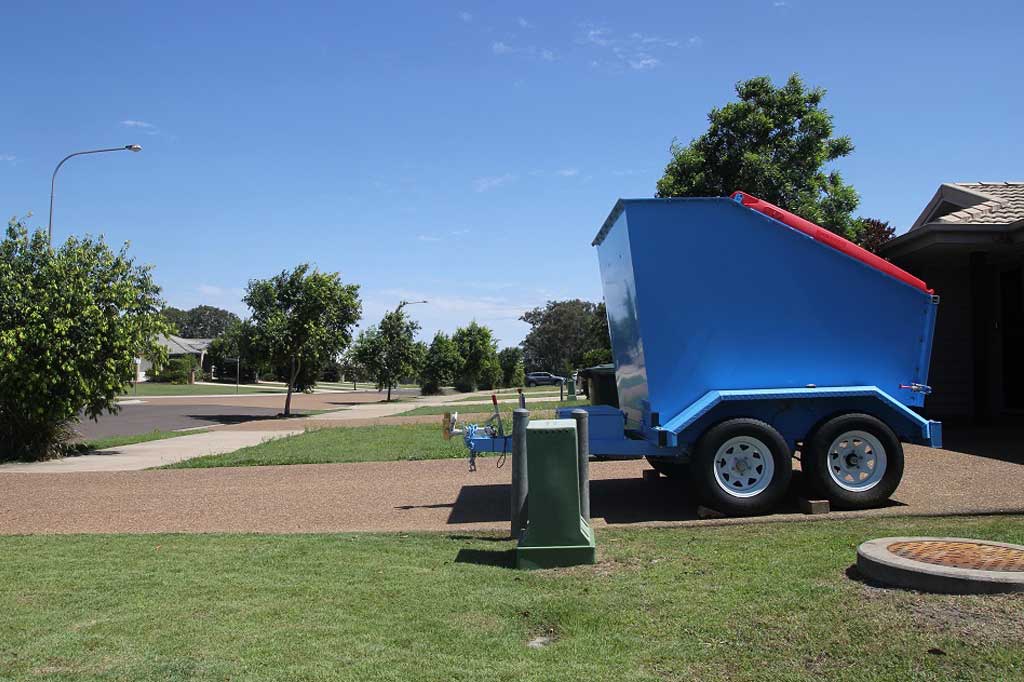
[[556, 533]]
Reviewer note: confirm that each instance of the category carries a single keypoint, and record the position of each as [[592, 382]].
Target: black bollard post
[[520, 420]]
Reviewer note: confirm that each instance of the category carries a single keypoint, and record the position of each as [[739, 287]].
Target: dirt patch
[[979, 619]]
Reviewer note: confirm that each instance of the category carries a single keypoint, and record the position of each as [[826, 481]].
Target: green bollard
[[556, 533], [571, 388]]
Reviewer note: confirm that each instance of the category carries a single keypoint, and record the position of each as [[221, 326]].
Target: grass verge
[[506, 408], [116, 441], [736, 603], [159, 389], [337, 445]]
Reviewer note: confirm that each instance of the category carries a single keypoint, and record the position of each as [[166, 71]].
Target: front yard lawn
[[158, 389], [116, 441], [740, 603], [506, 408], [345, 444]]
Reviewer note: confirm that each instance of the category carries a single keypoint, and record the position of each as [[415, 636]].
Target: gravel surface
[[428, 495]]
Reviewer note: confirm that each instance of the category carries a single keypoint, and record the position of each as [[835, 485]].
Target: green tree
[[441, 364], [561, 333], [479, 352], [233, 351], [872, 233], [512, 368], [72, 322], [388, 351], [301, 320], [201, 322], [774, 143]]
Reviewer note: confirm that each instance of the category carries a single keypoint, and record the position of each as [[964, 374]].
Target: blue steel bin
[[708, 299]]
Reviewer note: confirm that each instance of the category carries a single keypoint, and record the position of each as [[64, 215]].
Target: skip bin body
[[707, 297]]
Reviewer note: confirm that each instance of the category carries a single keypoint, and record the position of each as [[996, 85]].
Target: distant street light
[[402, 304], [53, 180]]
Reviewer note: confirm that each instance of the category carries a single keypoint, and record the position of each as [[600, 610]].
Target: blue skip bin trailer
[[744, 336]]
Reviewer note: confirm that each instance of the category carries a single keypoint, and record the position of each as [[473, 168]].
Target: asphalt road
[[171, 414]]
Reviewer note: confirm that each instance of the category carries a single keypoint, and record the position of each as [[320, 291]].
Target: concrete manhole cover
[[950, 565]]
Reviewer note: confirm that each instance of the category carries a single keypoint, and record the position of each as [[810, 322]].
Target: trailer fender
[[794, 412]]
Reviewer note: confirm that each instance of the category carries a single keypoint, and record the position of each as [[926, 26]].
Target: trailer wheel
[[855, 460], [741, 467], [667, 467]]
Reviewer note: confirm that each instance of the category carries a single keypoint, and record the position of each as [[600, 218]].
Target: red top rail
[[830, 238]]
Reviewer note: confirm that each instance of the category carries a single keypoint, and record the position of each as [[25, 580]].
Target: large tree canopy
[[301, 320], [775, 143], [201, 322], [72, 322], [441, 365], [562, 333], [479, 352]]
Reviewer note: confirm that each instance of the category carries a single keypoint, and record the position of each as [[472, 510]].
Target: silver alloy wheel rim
[[856, 461], [744, 466]]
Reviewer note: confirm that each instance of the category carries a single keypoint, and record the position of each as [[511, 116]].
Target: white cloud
[[568, 172], [428, 238], [8, 157], [466, 17], [143, 126], [524, 23], [500, 48], [636, 51], [488, 183], [547, 55], [780, 3], [695, 41], [463, 231]]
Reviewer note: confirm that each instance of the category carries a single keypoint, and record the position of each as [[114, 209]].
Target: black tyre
[[853, 460], [530, 384], [668, 467], [741, 467]]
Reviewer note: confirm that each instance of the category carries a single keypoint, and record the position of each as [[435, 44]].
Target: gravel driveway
[[429, 495]]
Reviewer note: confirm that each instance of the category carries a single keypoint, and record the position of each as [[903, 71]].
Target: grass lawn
[[506, 408], [753, 602], [508, 396], [158, 389], [115, 441], [356, 444], [339, 445]]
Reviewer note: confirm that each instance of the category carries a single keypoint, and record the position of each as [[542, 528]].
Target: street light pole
[[53, 179]]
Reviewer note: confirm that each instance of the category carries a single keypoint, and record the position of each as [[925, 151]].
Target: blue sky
[[465, 152]]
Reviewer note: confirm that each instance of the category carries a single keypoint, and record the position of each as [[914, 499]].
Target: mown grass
[[337, 445], [481, 407], [159, 389], [736, 603], [532, 393], [116, 441]]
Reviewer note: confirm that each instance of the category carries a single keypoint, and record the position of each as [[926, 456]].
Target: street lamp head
[[133, 147]]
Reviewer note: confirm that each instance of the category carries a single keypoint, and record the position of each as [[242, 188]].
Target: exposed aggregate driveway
[[438, 495]]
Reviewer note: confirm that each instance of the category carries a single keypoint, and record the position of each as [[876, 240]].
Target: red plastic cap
[[831, 239]]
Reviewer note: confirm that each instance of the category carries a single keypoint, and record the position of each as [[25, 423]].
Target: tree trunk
[[389, 391], [291, 383]]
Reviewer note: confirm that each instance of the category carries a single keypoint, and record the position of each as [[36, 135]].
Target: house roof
[[176, 345], [975, 203], [966, 215]]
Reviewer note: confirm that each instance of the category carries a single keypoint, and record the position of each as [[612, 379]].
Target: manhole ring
[[950, 565]]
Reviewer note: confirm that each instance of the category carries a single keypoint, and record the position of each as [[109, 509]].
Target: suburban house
[[176, 347], [968, 244]]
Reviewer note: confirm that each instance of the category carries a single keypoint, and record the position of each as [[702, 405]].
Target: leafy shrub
[[178, 370]]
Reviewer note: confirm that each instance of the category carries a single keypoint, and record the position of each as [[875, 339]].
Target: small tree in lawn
[[389, 351], [512, 372], [441, 365], [479, 352], [72, 322], [774, 143], [873, 233], [301, 320]]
